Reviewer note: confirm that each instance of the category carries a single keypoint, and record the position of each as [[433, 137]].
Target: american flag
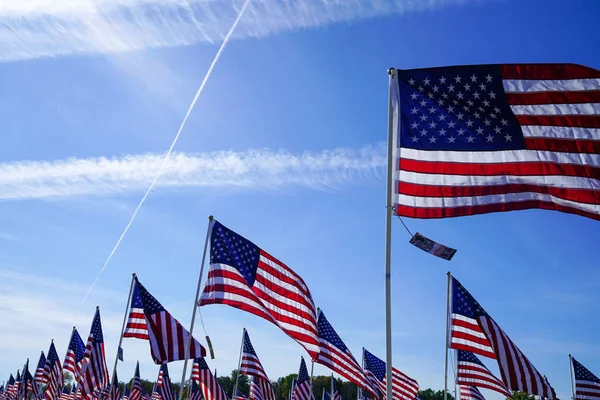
[[24, 388], [2, 392], [251, 366], [239, 395], [244, 276], [256, 392], [34, 388], [94, 373], [145, 396], [195, 391], [327, 396], [53, 374], [126, 394], [587, 385], [480, 334], [39, 371], [487, 138], [163, 383], [149, 320], [470, 393], [302, 389], [471, 372], [74, 356], [336, 356], [211, 390], [115, 392], [66, 393], [16, 386], [10, 387], [403, 387], [136, 385]]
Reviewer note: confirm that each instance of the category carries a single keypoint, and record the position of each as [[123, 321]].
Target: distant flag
[[33, 387], [94, 373], [16, 385], [479, 139], [39, 371], [336, 356], [74, 356], [115, 392], [25, 383], [211, 390], [251, 366], [10, 384], [244, 276], [163, 385], [149, 320], [145, 396], [336, 395], [470, 393], [126, 394], [120, 353], [136, 385], [473, 329], [302, 389], [195, 391], [256, 392], [2, 392], [471, 372], [53, 374], [239, 396], [431, 247], [66, 393], [403, 387], [155, 393], [291, 392], [587, 385]]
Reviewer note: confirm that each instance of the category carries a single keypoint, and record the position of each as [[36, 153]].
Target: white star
[[424, 132], [460, 116], [508, 138], [451, 139], [426, 81], [469, 123], [443, 132], [487, 122], [492, 95], [489, 138], [488, 78], [476, 95], [498, 130], [414, 110], [480, 131], [435, 88], [470, 103], [432, 139], [415, 139], [430, 95], [481, 109], [460, 95], [423, 103], [413, 96], [493, 115], [450, 109], [432, 110], [432, 124], [457, 78], [470, 139], [442, 80], [451, 124], [461, 131], [414, 125], [442, 117], [482, 86], [455, 102], [467, 87], [486, 103], [504, 122], [423, 117], [474, 78], [445, 95], [477, 115], [451, 88], [411, 81], [441, 102], [496, 110]]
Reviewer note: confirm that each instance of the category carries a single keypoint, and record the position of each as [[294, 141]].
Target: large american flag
[[211, 390], [53, 376], [336, 356], [149, 320], [587, 385], [302, 389], [470, 393], [488, 138], [38, 375], [94, 372], [136, 385], [244, 276], [75, 353], [250, 365], [403, 387], [163, 383], [482, 335], [471, 372]]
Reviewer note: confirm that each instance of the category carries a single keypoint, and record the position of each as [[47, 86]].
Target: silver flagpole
[[237, 376], [122, 327], [447, 335], [312, 369], [388, 237], [189, 341], [572, 381], [331, 393]]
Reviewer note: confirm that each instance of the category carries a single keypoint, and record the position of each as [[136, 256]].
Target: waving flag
[[66, 393], [126, 394], [53, 374], [244, 276], [251, 366], [587, 385], [163, 383], [239, 395], [327, 396], [94, 373], [25, 384], [74, 356], [403, 387], [149, 320], [10, 391], [136, 385], [211, 390], [302, 389], [195, 391], [473, 329], [488, 138], [470, 393], [336, 356], [115, 393], [472, 372], [38, 376], [256, 392]]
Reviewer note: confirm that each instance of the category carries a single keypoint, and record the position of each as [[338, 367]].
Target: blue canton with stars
[[303, 373], [202, 363], [229, 248], [375, 365], [145, 300], [327, 333], [584, 374], [461, 108], [52, 355], [77, 346], [463, 303], [96, 331], [248, 345], [42, 361], [467, 356]]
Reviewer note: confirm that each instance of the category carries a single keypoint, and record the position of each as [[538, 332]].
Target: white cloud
[[42, 28], [250, 170]]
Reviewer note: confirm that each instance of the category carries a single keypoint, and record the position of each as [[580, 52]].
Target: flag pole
[[572, 382], [237, 376], [388, 238], [331, 393], [312, 369], [189, 341], [447, 335], [362, 364], [122, 327]]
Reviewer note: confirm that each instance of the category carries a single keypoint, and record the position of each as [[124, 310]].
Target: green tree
[[523, 396], [430, 394]]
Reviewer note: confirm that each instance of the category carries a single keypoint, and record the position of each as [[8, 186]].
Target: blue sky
[[286, 147]]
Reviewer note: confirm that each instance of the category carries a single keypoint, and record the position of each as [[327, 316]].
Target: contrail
[[168, 154]]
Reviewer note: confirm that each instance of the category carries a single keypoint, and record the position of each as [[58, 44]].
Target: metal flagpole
[[572, 382], [388, 238], [331, 393], [189, 341], [237, 376], [312, 369], [447, 335], [362, 363]]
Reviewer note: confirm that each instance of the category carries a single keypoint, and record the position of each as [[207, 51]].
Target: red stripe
[[576, 121], [471, 338], [563, 145], [548, 71], [578, 195], [465, 324], [554, 97], [297, 281]]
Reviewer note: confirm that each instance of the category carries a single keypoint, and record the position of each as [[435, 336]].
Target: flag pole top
[[210, 217], [449, 273], [133, 274], [97, 307], [391, 70]]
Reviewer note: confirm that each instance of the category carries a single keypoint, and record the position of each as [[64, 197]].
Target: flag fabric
[[126, 394], [149, 320], [163, 383], [94, 373], [10, 385], [211, 390], [195, 391], [239, 395], [403, 387], [74, 356], [244, 276], [587, 385], [34, 388], [473, 329], [256, 392], [66, 393], [302, 389], [472, 372], [136, 385], [2, 392], [115, 393], [39, 371], [327, 395], [488, 138], [24, 388], [470, 393], [53, 374], [336, 356], [16, 386], [251, 366]]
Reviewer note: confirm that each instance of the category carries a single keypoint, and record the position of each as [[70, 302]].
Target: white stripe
[[572, 182], [556, 109], [284, 270], [508, 156], [560, 132], [523, 85], [586, 389], [466, 342]]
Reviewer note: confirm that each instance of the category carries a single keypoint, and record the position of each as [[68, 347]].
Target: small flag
[[431, 247], [472, 372], [39, 371], [94, 373], [74, 356], [470, 393], [404, 387], [53, 375], [302, 389], [136, 386], [211, 389], [587, 385], [120, 351], [251, 366]]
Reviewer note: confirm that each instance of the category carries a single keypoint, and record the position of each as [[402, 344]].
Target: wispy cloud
[[42, 28], [253, 169]]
